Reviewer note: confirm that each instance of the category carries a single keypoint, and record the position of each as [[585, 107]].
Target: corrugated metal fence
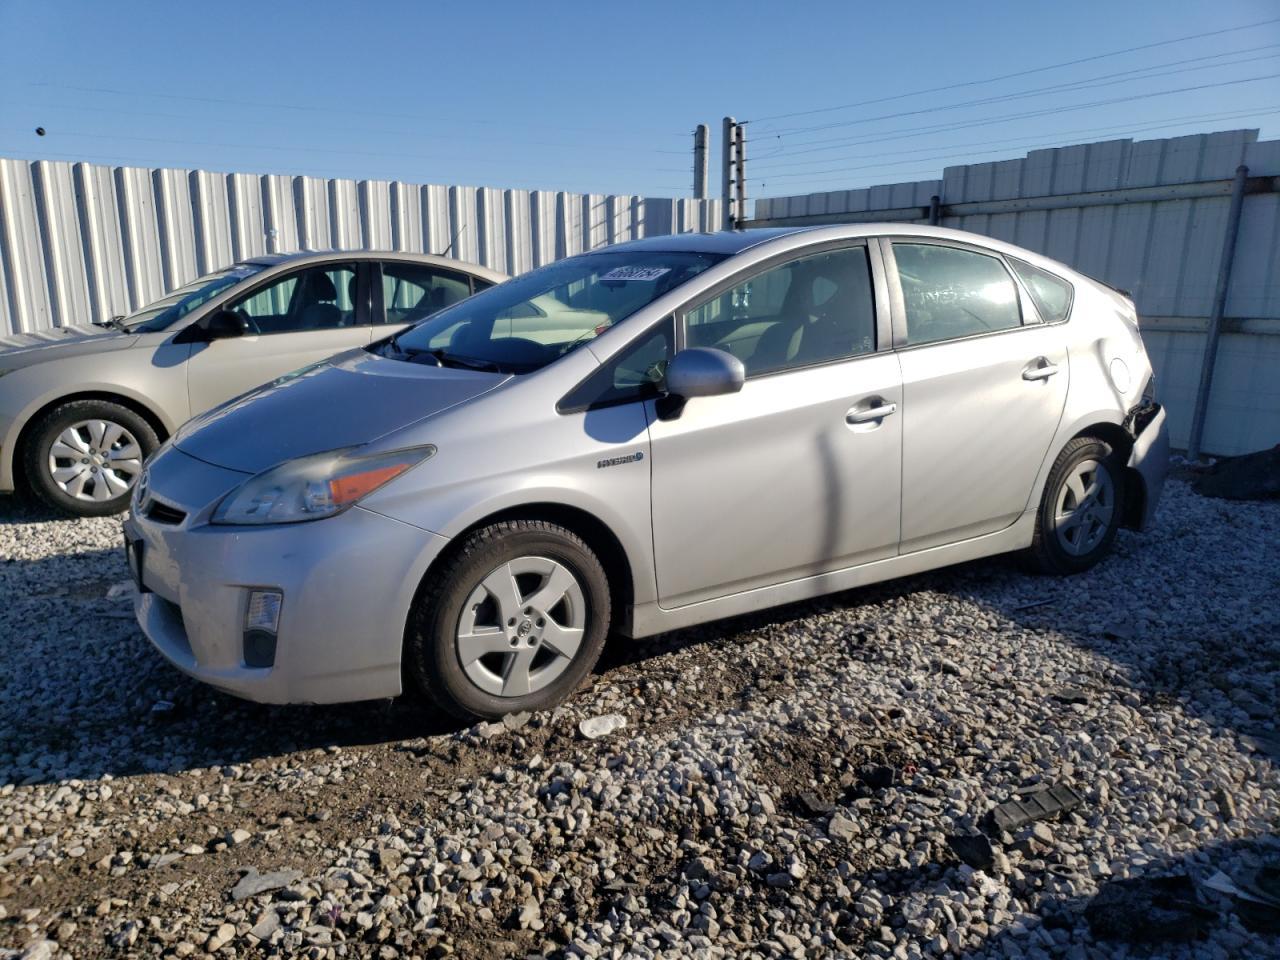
[[82, 242], [1146, 216]]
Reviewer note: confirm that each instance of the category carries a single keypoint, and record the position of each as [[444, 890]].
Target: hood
[[351, 399], [24, 349]]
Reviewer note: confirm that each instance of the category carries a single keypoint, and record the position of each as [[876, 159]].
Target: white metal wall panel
[[63, 250], [435, 218], [280, 216], [212, 221], [311, 206], [376, 230], [83, 242], [28, 292], [344, 214], [100, 229], [1167, 253], [491, 222], [248, 225], [406, 218], [141, 235]]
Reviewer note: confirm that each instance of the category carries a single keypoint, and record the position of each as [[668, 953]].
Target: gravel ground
[[784, 785]]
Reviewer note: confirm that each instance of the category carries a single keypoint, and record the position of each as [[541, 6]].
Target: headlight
[[317, 486]]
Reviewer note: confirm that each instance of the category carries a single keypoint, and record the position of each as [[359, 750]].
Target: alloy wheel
[[95, 460], [1084, 508], [521, 626]]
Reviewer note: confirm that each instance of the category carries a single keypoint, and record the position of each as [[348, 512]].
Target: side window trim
[[1031, 300], [879, 285], [377, 308], [899, 304], [563, 408]]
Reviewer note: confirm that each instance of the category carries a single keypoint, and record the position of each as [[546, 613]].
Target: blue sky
[[604, 96]]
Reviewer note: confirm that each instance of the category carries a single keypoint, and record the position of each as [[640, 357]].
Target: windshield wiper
[[112, 323], [445, 359]]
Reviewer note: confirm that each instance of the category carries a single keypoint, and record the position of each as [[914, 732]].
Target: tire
[[98, 479], [481, 649], [1064, 545]]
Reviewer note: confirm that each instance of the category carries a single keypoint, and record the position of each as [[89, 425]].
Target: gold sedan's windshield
[[528, 322], [176, 305]]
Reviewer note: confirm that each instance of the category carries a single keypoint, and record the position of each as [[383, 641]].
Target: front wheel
[[1080, 509], [85, 456], [514, 620]]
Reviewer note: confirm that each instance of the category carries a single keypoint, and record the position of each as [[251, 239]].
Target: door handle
[[1039, 369], [870, 414]]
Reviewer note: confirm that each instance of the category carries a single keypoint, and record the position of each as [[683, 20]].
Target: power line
[[327, 109], [275, 124], [1106, 80], [1020, 73], [789, 164], [816, 175], [837, 143]]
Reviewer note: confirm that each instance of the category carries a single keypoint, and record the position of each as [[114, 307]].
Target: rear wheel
[[514, 620], [85, 456], [1080, 509]]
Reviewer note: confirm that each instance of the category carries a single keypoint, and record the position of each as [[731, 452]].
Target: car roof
[[771, 239], [319, 256], [726, 241]]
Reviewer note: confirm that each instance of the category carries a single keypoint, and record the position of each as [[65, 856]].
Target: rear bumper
[[1149, 460]]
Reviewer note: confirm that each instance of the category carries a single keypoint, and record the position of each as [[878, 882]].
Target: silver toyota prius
[[641, 438], [81, 407]]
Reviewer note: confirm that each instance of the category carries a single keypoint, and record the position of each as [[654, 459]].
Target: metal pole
[[726, 173], [741, 150], [1215, 318], [700, 137], [935, 210]]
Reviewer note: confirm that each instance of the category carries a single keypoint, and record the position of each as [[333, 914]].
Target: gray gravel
[[782, 785]]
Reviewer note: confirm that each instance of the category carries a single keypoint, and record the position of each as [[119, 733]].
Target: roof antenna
[[454, 240]]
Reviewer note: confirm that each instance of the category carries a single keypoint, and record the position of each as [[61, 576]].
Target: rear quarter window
[[1051, 294]]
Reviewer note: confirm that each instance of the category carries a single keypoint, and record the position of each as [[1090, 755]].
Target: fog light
[[259, 648], [261, 624], [263, 611]]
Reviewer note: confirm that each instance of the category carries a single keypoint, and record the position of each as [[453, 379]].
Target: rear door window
[[951, 292], [413, 291]]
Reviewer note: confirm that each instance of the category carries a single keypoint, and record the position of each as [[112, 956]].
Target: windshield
[[528, 322], [176, 305]]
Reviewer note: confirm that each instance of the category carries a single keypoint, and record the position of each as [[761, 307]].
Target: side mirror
[[224, 325], [699, 372]]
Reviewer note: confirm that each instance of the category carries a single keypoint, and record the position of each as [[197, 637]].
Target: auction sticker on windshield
[[635, 273]]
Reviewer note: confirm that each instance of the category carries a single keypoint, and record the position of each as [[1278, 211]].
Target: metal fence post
[[740, 148], [1215, 318], [700, 136], [726, 173]]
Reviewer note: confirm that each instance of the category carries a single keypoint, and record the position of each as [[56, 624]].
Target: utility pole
[[727, 144], [700, 137], [740, 148]]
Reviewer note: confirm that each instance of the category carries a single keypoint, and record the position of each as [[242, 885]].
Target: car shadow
[[84, 694]]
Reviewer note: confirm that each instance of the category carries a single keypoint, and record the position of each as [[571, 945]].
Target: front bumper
[[1149, 460], [348, 584]]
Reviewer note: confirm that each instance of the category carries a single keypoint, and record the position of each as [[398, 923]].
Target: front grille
[[163, 513]]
